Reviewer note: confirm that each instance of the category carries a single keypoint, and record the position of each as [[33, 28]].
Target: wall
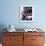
[[9, 13]]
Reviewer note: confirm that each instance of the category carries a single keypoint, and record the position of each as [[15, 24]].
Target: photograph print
[[26, 13]]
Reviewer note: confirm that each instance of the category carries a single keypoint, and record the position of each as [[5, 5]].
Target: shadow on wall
[[2, 26]]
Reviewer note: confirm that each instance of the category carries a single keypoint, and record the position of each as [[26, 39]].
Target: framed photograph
[[26, 13]]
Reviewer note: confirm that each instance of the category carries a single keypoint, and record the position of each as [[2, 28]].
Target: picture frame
[[26, 13]]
